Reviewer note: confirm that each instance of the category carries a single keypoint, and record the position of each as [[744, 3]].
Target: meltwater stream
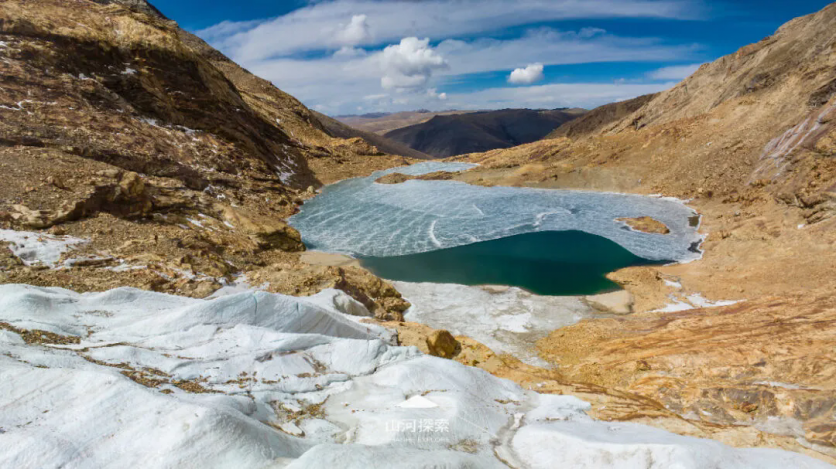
[[389, 226]]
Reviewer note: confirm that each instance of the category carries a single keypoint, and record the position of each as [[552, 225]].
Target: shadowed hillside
[[444, 136]]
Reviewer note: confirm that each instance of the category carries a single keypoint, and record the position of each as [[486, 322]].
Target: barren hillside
[[118, 127]]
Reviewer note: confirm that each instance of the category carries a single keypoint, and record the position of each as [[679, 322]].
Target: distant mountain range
[[456, 134], [382, 122], [339, 129]]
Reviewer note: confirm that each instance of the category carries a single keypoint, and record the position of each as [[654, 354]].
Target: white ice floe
[[293, 382], [38, 248], [506, 319], [358, 216]]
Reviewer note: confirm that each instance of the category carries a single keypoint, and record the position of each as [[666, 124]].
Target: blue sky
[[358, 56]]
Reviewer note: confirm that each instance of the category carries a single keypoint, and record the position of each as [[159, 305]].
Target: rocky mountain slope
[[750, 141], [173, 164], [594, 120], [444, 136]]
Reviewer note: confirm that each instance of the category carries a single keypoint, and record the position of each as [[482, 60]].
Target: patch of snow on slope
[[289, 382], [38, 248], [692, 301]]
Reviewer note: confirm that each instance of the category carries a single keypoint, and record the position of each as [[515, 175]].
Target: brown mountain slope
[[175, 164], [595, 120], [750, 140]]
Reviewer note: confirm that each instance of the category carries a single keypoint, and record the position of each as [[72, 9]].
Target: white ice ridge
[[290, 382], [361, 217]]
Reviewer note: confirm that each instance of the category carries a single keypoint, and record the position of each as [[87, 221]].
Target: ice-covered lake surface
[[365, 219]]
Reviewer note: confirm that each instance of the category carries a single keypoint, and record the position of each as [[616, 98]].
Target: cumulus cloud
[[356, 32], [528, 75], [678, 72], [434, 94], [409, 64]]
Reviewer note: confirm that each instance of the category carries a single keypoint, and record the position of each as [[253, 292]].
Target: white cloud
[[409, 64], [342, 82], [434, 94], [356, 32], [528, 75], [585, 95], [327, 25], [349, 52], [552, 47], [591, 32], [367, 52], [677, 72]]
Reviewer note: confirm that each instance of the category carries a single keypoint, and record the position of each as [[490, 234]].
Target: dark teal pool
[[545, 263]]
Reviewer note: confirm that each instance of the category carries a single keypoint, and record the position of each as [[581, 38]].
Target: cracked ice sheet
[[60, 409], [361, 217]]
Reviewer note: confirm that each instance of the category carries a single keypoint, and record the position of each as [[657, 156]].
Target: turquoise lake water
[[545, 263]]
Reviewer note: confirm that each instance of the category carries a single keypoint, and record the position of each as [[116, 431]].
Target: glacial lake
[[550, 242], [560, 263]]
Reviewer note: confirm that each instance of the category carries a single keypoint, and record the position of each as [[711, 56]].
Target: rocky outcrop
[[646, 225], [398, 178], [127, 197]]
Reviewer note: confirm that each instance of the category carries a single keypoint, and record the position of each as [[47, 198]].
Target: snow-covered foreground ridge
[[359, 216], [128, 378]]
